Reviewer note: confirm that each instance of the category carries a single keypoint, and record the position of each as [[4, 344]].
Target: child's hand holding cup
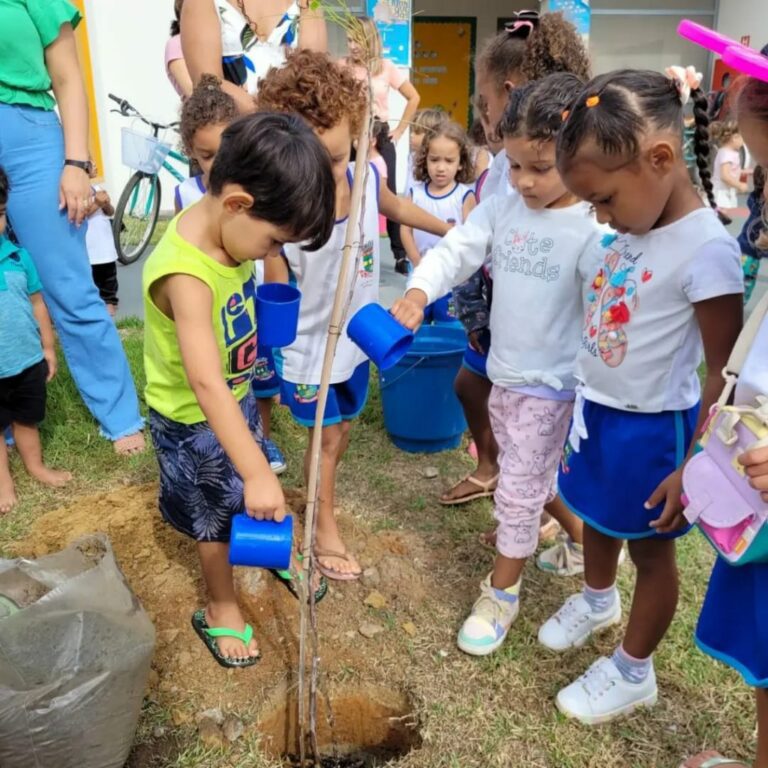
[[409, 311]]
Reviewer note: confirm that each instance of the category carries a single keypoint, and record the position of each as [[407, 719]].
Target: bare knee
[[653, 555]]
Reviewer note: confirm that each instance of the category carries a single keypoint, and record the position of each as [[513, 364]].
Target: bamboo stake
[[342, 299]]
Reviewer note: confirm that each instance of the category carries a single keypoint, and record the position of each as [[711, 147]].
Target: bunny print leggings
[[530, 432]]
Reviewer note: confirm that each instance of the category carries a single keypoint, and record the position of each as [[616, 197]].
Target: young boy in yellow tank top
[[200, 347]]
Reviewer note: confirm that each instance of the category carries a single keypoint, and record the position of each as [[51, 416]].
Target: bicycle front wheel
[[136, 216]]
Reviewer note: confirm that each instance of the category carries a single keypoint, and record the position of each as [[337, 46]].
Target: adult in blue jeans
[[47, 163]]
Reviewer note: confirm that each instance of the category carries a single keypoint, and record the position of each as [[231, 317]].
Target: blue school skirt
[[621, 464], [733, 626]]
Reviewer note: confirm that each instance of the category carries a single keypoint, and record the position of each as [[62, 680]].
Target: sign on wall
[[393, 18]]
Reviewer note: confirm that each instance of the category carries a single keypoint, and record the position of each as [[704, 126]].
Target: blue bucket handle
[[386, 384]]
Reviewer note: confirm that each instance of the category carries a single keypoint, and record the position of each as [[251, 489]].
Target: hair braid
[[701, 145]]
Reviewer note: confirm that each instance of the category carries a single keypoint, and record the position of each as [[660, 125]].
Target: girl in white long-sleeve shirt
[[544, 244]]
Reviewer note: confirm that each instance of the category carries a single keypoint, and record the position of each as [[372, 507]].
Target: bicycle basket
[[142, 152]]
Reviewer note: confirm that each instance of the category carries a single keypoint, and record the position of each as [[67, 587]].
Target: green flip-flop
[[286, 578], [208, 635]]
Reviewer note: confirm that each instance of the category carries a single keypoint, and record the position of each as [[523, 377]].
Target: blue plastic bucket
[[421, 411], [277, 314]]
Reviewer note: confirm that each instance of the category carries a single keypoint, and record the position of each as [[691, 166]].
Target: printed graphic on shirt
[[612, 299], [367, 260], [526, 254], [240, 333]]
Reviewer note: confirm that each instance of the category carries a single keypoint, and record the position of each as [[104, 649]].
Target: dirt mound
[[364, 626]]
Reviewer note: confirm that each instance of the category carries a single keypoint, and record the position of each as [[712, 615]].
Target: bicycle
[[138, 207]]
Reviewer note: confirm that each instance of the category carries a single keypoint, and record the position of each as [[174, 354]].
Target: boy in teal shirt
[[271, 183], [27, 361]]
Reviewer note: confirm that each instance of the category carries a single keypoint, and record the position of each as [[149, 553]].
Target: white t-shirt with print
[[641, 345], [448, 207], [316, 276], [753, 380], [541, 262]]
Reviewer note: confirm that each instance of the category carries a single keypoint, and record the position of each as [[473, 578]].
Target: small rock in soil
[[409, 628], [210, 734], [159, 731], [371, 577], [181, 717], [369, 630], [351, 635], [376, 600], [168, 636], [154, 678], [233, 728], [431, 473], [184, 658], [214, 714]]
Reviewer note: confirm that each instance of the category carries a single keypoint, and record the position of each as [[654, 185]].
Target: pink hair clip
[[522, 20]]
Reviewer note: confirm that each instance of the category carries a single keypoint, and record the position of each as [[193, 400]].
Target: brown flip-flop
[[486, 490], [332, 573]]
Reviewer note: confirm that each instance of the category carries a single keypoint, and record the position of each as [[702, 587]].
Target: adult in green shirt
[[46, 160]]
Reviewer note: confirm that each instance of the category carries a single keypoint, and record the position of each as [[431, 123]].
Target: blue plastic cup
[[261, 543], [379, 335], [277, 314]]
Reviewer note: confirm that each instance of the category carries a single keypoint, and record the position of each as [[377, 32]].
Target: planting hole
[[363, 728]]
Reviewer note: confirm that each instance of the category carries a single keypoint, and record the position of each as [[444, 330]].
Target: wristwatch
[[83, 165]]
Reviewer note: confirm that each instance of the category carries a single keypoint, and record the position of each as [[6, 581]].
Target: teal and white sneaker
[[566, 558], [492, 615]]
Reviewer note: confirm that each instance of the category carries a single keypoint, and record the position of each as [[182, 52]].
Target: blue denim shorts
[[200, 489]]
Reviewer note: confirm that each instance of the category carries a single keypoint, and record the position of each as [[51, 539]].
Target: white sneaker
[[566, 558], [575, 623], [601, 694], [486, 627]]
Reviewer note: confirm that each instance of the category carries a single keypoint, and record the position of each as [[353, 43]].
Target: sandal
[[332, 573], [487, 539], [130, 445], [208, 635], [286, 579], [714, 760], [487, 489]]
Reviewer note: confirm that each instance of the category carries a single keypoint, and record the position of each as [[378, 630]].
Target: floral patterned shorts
[[200, 489]]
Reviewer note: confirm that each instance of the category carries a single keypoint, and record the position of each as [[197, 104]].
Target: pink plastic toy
[[734, 54], [705, 37], [748, 61]]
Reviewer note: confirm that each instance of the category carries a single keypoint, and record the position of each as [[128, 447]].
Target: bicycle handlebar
[[127, 109]]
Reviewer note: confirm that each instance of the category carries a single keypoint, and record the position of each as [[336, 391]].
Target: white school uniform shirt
[[317, 275], [541, 261], [99, 238], [641, 345], [497, 182], [189, 192], [448, 207]]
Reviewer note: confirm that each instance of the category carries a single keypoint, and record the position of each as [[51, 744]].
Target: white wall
[[127, 42], [744, 17]]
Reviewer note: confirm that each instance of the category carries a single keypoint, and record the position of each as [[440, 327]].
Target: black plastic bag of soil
[[75, 650]]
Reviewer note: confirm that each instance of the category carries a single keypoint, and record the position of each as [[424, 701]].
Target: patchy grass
[[496, 711]]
